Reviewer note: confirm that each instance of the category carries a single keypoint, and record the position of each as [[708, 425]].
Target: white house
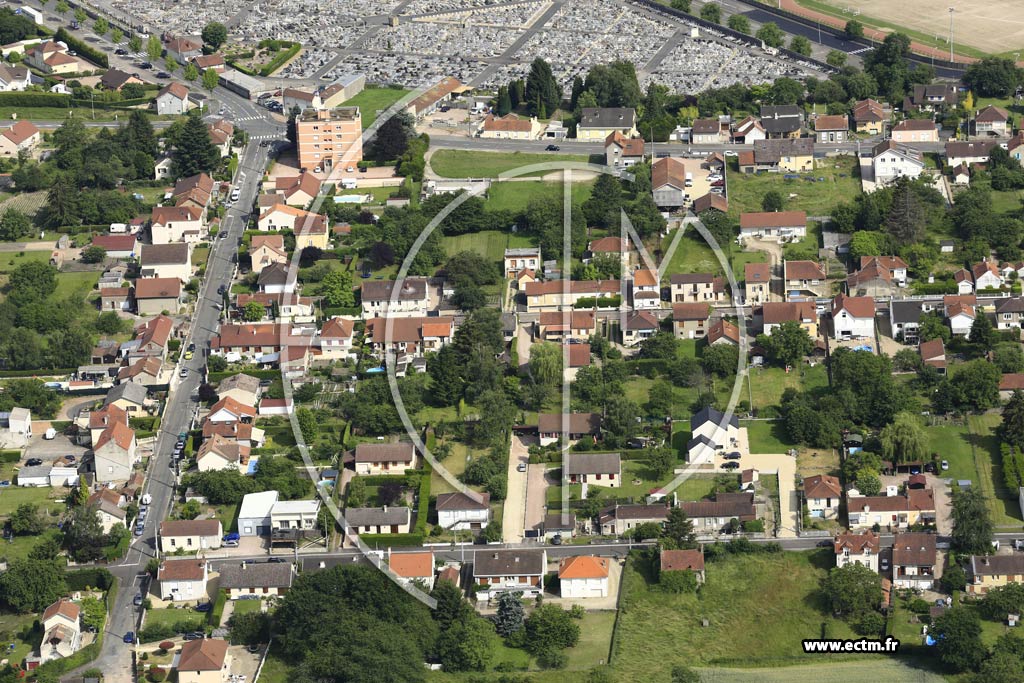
[[960, 313], [254, 513], [384, 458], [776, 225], [190, 535], [459, 511], [823, 493], [853, 317], [583, 576], [986, 276], [172, 99], [891, 160], [859, 548], [228, 409], [522, 258], [176, 224], [62, 632], [294, 517], [336, 338], [182, 580], [913, 560], [715, 425], [520, 570], [262, 579]]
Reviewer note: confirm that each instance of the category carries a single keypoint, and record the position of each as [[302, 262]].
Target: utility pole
[[951, 10]]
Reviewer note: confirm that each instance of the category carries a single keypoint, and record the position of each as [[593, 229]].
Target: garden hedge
[[82, 48]]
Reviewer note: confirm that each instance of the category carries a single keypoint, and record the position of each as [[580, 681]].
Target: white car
[[731, 153]]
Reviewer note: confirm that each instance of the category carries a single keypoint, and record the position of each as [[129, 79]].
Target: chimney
[[494, 556], [385, 508], [867, 508]]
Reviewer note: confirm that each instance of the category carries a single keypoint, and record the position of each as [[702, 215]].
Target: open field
[[490, 244], [454, 163], [928, 22], [841, 184], [514, 196], [758, 607], [373, 100], [1002, 503], [889, 670]]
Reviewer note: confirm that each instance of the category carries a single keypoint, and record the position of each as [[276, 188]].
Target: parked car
[[825, 543], [205, 607], [163, 74], [521, 467], [735, 455], [233, 536], [129, 637], [137, 601], [120, 51], [192, 346], [945, 465], [276, 560], [5, 483], [884, 564], [189, 355], [552, 148], [192, 636], [230, 544], [146, 65], [556, 539], [730, 465], [184, 373]]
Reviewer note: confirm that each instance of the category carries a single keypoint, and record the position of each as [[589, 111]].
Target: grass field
[[491, 244], [371, 101], [515, 196], [28, 203], [1002, 502], [953, 443], [928, 24], [841, 184], [767, 384], [758, 607], [455, 163], [767, 437], [169, 616], [16, 630], [888, 670], [246, 606], [71, 283]]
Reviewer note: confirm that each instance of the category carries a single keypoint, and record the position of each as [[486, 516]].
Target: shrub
[[869, 624], [157, 675]]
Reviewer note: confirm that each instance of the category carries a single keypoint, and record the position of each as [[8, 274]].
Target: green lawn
[[44, 496], [841, 184], [200, 255], [246, 606], [1002, 502], [169, 616], [16, 630], [595, 639], [379, 194], [454, 163], [767, 384], [767, 437], [953, 443], [633, 471], [491, 244], [71, 283], [758, 607], [373, 100], [514, 196]]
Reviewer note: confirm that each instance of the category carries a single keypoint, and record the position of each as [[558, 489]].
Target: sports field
[[988, 26]]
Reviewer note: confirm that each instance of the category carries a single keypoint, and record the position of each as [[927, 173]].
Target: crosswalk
[[250, 118], [863, 49], [265, 137]]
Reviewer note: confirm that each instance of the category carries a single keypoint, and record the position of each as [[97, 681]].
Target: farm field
[[920, 19], [372, 100], [454, 163]]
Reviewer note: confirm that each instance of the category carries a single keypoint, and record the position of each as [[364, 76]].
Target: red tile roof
[[583, 567]]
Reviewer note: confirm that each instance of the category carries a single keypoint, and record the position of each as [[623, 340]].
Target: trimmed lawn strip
[[514, 196], [457, 163], [767, 436], [372, 100], [1001, 503]]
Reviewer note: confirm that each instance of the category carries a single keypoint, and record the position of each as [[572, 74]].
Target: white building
[[583, 576], [182, 580], [891, 160], [459, 511], [857, 549], [254, 513], [853, 317]]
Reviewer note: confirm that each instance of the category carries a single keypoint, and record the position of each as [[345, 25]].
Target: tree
[[62, 200], [80, 15], [721, 360], [975, 386], [253, 311], [392, 139], [451, 607], [739, 22], [190, 73], [214, 34], [711, 12], [787, 344], [836, 58], [190, 510], [772, 201], [93, 254], [550, 628], [135, 44], [679, 532], [14, 225], [982, 332], [661, 460], [852, 590], [1001, 666], [504, 103], [681, 5], [800, 45], [100, 27], [216, 363], [678, 581], [906, 221], [1002, 600], [84, 538], [170, 63], [26, 520], [62, 7], [868, 482], [250, 628], [954, 578], [972, 523], [904, 440], [546, 364], [660, 399], [32, 282], [210, 79], [1012, 428], [854, 30], [771, 35], [444, 368], [31, 585], [466, 645], [154, 48], [307, 424], [957, 633], [511, 615], [543, 94], [785, 91], [193, 152], [993, 77], [116, 36], [336, 288]]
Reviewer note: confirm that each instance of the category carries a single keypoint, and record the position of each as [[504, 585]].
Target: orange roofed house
[[413, 567], [583, 576], [683, 560], [509, 127]]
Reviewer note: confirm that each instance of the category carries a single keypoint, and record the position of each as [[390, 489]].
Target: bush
[[84, 579], [280, 58], [157, 675], [869, 624], [34, 99]]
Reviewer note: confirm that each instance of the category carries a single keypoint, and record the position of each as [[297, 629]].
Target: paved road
[[513, 518]]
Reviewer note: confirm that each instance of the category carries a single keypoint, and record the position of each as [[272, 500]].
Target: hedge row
[[35, 99], [342, 310], [214, 615], [392, 540], [599, 302], [82, 48], [1013, 466], [120, 104], [279, 59], [39, 372], [81, 579], [423, 504], [9, 457]]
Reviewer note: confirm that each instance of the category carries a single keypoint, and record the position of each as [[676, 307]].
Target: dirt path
[[28, 246]]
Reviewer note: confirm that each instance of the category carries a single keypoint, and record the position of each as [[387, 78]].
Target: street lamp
[[951, 10]]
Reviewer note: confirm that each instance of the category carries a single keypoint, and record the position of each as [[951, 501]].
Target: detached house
[[879, 276], [596, 124], [460, 511], [166, 260], [915, 130], [382, 520], [869, 117], [261, 579], [683, 560], [583, 576], [859, 549], [600, 469], [265, 250], [757, 280], [156, 294], [519, 259], [723, 332], [574, 426], [992, 120], [182, 580], [831, 129], [336, 338], [777, 225], [299, 190], [408, 338], [510, 127], [646, 289], [933, 354], [1010, 313], [228, 409], [804, 280], [62, 631], [711, 516], [190, 535], [384, 458], [690, 321], [986, 276], [747, 131], [640, 325], [114, 451], [891, 160], [782, 121], [967, 153], [220, 453], [22, 136], [696, 288], [668, 183], [991, 571], [823, 493], [791, 155], [620, 519], [204, 661], [182, 50], [853, 317], [960, 313], [173, 100], [557, 326], [623, 152], [931, 98], [504, 570], [413, 568], [913, 560], [109, 507], [243, 388]]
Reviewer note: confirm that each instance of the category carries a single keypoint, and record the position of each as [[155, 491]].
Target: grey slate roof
[[592, 463], [785, 118], [129, 391], [607, 117], [508, 562], [377, 516], [460, 501], [257, 575], [906, 311], [709, 414]]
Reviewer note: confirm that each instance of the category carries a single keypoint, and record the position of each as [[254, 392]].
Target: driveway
[[523, 342], [513, 517], [772, 463], [51, 449], [536, 494], [940, 489]]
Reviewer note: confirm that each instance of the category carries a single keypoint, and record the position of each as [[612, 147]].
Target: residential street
[[512, 521]]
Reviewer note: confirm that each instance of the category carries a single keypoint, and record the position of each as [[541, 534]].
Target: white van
[[349, 184]]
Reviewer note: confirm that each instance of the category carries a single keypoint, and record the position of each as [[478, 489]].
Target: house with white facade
[[583, 576], [384, 458], [891, 160], [853, 317], [460, 511], [182, 580], [862, 548], [823, 493]]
